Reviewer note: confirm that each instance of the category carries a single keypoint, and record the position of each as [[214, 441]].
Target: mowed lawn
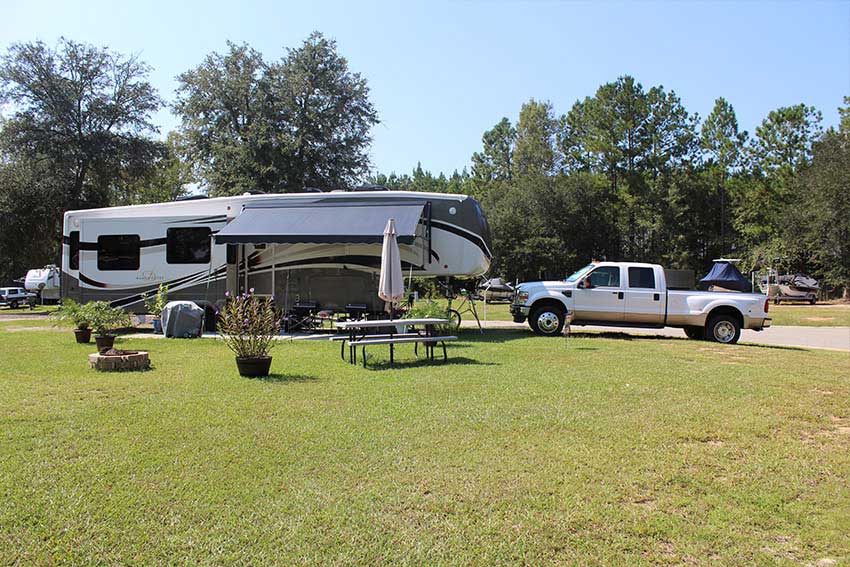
[[819, 315], [593, 450]]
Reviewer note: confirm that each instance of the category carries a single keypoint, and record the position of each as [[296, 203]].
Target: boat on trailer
[[321, 249]]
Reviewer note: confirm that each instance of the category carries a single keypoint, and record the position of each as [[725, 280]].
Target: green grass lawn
[[596, 450], [37, 310], [819, 315]]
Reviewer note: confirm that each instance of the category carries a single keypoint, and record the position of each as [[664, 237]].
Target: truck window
[[74, 250], [118, 252], [606, 276], [187, 245], [577, 275], [642, 278]]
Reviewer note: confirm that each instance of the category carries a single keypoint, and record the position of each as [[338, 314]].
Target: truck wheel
[[813, 300], [695, 333], [723, 329], [14, 304], [547, 320]]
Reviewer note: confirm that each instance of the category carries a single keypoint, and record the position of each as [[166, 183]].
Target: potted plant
[[155, 304], [78, 315], [248, 325], [105, 319]]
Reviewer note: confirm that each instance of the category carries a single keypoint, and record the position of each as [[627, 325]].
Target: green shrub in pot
[[248, 325], [71, 312], [105, 319]]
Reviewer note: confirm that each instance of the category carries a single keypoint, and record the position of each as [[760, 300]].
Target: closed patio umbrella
[[391, 283]]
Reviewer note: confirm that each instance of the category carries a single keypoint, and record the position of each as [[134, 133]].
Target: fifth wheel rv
[[323, 248]]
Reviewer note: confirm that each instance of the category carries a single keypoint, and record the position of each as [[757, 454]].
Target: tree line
[[625, 173], [629, 174]]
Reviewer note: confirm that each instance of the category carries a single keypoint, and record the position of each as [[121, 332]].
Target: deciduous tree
[[303, 121]]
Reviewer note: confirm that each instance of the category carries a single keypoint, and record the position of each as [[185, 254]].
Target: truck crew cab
[[629, 294]]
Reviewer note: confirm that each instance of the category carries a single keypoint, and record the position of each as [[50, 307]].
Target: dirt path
[[23, 316]]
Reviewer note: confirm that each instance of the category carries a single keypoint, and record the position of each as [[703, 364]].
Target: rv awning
[[321, 224]]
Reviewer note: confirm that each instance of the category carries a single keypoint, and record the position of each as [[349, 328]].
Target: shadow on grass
[[280, 378], [381, 365], [622, 336], [506, 335], [776, 347], [493, 335]]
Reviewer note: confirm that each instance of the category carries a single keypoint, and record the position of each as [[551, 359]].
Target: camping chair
[[302, 316], [356, 311]]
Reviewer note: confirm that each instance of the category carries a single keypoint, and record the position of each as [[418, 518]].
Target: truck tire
[[813, 300], [13, 304], [547, 320], [695, 333], [723, 329]]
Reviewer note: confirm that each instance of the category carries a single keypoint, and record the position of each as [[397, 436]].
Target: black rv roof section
[[321, 223]]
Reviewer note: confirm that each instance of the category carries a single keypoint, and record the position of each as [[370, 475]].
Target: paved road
[[834, 338]]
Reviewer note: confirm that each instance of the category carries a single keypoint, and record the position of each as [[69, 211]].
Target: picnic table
[[358, 335]]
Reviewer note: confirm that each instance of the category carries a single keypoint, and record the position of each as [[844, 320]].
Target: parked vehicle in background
[[495, 290], [789, 287], [627, 294], [14, 297], [44, 282]]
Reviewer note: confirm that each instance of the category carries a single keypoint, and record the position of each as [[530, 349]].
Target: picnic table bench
[[358, 336]]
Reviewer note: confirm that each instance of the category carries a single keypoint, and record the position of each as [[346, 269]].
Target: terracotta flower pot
[[82, 335], [104, 342], [253, 367]]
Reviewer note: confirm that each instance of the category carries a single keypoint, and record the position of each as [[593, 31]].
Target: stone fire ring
[[120, 360]]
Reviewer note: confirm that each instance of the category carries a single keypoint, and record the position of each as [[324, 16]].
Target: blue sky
[[441, 73]]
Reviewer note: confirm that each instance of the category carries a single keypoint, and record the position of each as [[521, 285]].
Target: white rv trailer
[[301, 247], [44, 281]]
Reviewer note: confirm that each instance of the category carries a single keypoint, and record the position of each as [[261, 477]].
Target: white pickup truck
[[626, 294]]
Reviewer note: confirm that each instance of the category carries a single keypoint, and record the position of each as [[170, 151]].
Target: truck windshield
[[580, 273]]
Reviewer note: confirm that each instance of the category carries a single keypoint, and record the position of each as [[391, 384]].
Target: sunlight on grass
[[522, 450]]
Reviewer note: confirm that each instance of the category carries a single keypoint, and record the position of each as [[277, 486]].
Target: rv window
[[642, 278], [74, 250], [187, 245], [118, 252]]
